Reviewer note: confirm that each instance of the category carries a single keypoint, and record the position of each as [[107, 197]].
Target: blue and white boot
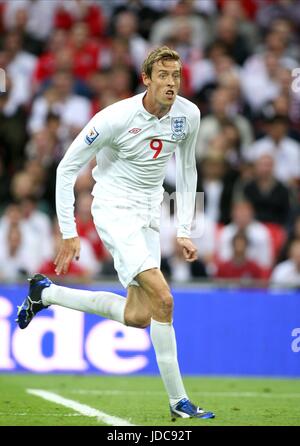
[[33, 302], [186, 409]]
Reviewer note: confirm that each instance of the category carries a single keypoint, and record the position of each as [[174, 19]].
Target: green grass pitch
[[141, 400]]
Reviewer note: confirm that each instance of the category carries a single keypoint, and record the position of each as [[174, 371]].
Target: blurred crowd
[[65, 60]]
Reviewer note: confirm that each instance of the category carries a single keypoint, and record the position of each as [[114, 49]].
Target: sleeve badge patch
[[91, 136]]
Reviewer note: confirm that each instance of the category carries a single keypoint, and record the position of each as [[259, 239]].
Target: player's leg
[[138, 308], [42, 293], [134, 311], [163, 338], [162, 331]]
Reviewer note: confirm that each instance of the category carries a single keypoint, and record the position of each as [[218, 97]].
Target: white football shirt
[[132, 148]]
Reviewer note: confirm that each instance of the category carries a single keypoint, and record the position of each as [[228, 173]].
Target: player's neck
[[155, 108]]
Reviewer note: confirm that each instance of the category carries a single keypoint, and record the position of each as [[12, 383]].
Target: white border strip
[[83, 409]]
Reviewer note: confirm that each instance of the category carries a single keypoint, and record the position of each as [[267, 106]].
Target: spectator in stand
[[29, 241], [287, 33], [40, 17], [14, 259], [46, 63], [292, 95], [287, 273], [205, 7], [268, 12], [259, 80], [30, 43], [239, 266], [243, 16], [40, 179], [294, 234], [119, 56], [121, 80], [260, 72], [231, 144], [85, 52], [278, 43], [66, 61], [164, 27], [99, 84], [56, 135], [182, 38], [260, 244], [288, 106], [13, 133], [216, 180], [230, 81], [227, 32], [20, 66], [27, 189], [285, 150], [74, 111], [22, 186], [38, 223], [68, 12], [220, 112], [4, 186], [11, 217], [43, 146], [269, 197], [43, 153], [145, 11], [126, 29], [203, 72]]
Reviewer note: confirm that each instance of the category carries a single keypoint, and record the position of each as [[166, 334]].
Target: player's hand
[[189, 250], [69, 249]]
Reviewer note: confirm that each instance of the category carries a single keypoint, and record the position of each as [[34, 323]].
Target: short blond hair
[[161, 53]]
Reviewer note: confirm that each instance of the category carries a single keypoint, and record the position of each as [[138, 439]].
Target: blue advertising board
[[219, 332]]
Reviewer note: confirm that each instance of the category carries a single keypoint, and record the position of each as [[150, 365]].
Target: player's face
[[164, 83]]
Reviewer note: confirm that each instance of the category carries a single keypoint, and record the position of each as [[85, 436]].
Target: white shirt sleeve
[[94, 136], [186, 178]]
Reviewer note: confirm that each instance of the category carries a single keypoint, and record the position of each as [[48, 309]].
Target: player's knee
[[165, 304], [144, 323], [138, 321], [136, 317]]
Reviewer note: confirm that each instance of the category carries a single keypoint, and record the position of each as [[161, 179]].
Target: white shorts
[[131, 235]]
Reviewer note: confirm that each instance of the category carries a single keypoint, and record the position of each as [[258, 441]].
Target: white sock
[[103, 303], [164, 343]]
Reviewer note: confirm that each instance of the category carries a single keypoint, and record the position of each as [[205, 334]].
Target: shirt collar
[[145, 113]]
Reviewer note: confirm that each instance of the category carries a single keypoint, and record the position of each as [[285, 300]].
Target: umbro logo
[[135, 130]]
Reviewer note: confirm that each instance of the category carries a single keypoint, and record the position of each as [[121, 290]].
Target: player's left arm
[[186, 184]]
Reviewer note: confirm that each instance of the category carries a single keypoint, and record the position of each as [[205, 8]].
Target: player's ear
[[146, 79]]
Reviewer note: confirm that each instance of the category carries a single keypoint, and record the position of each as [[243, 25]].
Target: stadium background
[[66, 59]]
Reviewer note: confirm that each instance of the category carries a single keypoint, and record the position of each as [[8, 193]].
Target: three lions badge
[[178, 126]]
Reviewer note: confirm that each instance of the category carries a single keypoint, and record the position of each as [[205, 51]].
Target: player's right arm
[[68, 250], [95, 135]]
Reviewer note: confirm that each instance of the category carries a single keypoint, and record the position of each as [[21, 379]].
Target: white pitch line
[[158, 392], [83, 409]]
